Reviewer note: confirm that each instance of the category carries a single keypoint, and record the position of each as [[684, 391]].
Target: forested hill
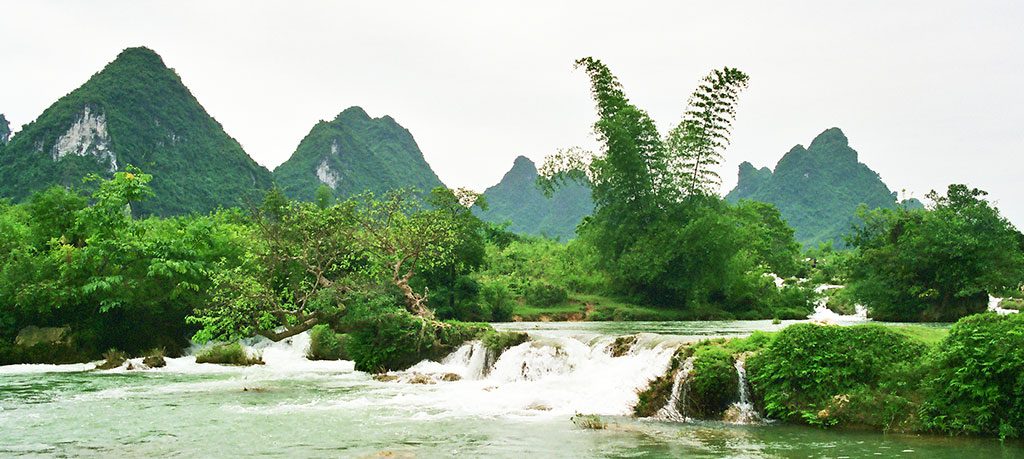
[[354, 153], [136, 111], [517, 200], [817, 189]]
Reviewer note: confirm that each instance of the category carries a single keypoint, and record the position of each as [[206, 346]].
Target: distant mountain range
[[354, 153], [135, 111], [518, 201], [817, 189]]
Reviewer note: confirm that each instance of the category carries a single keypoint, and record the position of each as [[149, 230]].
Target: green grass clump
[[113, 359], [228, 354], [155, 358], [498, 342], [325, 344], [589, 421]]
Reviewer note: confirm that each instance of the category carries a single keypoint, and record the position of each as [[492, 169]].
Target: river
[[519, 406]]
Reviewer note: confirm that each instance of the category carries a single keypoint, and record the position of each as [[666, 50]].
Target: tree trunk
[[289, 332]]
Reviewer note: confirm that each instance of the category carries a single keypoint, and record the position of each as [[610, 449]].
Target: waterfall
[[825, 315], [741, 412], [548, 376], [993, 306], [671, 411]]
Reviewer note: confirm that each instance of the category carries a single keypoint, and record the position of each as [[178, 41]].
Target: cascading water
[[742, 412], [825, 315], [547, 377], [993, 306], [671, 411]]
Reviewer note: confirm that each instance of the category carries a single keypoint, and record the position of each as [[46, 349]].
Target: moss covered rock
[[622, 345], [391, 339]]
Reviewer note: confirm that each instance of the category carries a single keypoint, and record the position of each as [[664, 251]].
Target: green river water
[[521, 408]]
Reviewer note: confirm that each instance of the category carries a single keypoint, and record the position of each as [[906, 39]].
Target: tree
[[297, 269], [694, 147], [402, 236], [937, 264]]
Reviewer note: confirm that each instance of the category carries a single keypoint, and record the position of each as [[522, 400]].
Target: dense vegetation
[[659, 232], [963, 380], [817, 189], [518, 201], [896, 379], [939, 264], [136, 111], [354, 153]]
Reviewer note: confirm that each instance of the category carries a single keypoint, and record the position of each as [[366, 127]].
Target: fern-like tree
[[659, 228]]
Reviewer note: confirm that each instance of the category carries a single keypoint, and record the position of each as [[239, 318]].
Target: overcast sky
[[929, 92]]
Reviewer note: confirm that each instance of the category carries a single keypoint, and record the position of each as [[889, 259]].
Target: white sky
[[929, 92]]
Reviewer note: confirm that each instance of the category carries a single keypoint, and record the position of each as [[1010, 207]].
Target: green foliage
[[658, 231], [545, 295], [384, 336], [118, 281], [934, 265], [228, 354], [497, 297], [977, 385], [518, 200], [817, 190], [818, 374], [294, 273], [325, 344], [151, 120], [712, 384], [359, 154]]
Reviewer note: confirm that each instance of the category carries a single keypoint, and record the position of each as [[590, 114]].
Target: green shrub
[[977, 380], [497, 296], [325, 344], [542, 294], [713, 383], [228, 354], [819, 374], [386, 337]]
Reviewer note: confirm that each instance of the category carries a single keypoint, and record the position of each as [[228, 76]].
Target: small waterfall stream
[[742, 412], [671, 411]]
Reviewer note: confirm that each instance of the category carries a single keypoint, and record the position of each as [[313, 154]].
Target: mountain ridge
[[134, 111], [818, 188], [354, 153]]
